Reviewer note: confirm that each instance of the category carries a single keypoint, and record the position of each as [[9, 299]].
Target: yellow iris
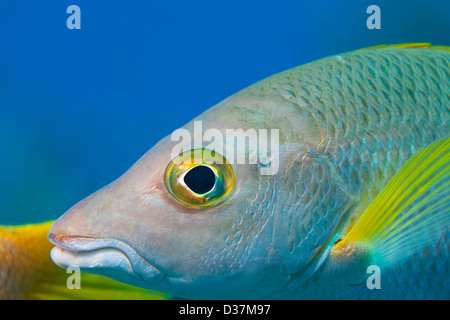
[[199, 178]]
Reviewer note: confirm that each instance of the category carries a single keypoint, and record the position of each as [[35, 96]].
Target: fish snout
[[91, 235], [78, 220], [103, 214]]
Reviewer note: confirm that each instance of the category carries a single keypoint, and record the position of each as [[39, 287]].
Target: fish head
[[152, 229]]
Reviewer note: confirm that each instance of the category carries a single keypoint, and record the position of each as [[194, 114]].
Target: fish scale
[[359, 127]]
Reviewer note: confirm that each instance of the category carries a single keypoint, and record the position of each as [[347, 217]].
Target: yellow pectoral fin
[[29, 273], [410, 212]]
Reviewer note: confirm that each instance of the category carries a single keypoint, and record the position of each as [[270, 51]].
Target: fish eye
[[199, 178]]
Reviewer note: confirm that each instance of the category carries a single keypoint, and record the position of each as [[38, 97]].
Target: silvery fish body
[[347, 125]]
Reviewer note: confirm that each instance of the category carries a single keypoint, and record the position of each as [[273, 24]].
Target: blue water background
[[79, 107]]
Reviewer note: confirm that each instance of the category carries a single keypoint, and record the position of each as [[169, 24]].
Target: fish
[[28, 273], [351, 202]]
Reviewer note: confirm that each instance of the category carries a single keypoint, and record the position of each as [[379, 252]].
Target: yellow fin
[[411, 211], [93, 287], [419, 45]]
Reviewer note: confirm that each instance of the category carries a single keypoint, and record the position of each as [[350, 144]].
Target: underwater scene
[[225, 150]]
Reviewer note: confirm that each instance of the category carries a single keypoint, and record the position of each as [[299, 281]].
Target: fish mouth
[[107, 257]]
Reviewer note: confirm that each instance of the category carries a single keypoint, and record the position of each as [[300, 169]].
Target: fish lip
[[140, 269]]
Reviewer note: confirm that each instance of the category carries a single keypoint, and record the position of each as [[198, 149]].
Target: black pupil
[[200, 179]]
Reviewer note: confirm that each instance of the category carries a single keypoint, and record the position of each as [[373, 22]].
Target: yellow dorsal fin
[[411, 211], [403, 45], [418, 45]]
